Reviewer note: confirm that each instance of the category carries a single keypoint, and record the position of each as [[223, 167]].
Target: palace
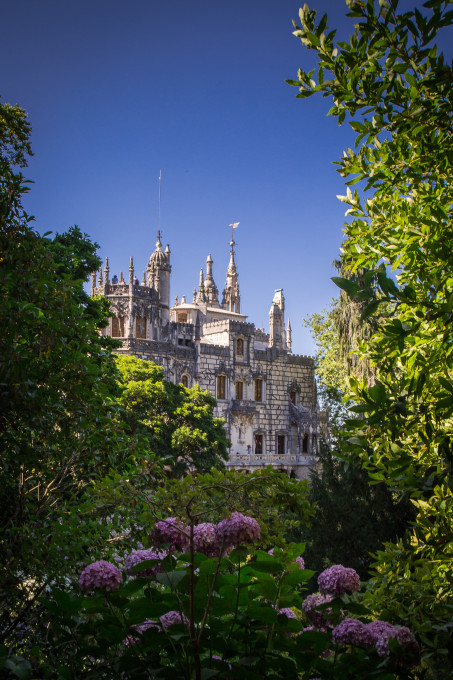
[[265, 393]]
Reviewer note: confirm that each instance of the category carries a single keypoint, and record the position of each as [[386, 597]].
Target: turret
[[159, 271], [276, 320]]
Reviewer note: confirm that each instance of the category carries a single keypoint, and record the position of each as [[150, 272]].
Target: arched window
[[117, 326], [259, 444], [221, 387], [240, 347], [258, 389], [305, 444], [293, 396], [185, 380]]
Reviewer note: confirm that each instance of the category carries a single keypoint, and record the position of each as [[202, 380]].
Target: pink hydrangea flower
[[101, 574], [338, 580], [137, 556], [352, 632], [237, 529], [309, 607], [404, 638], [171, 531], [205, 539], [172, 618]]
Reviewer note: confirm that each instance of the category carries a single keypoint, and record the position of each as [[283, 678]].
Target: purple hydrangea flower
[[352, 632], [338, 580], [286, 611], [205, 539], [101, 574], [137, 556], [378, 628], [171, 531], [237, 530], [404, 637], [172, 618], [300, 561], [309, 607], [146, 625]]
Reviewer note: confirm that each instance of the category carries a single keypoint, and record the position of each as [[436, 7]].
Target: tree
[[396, 87], [58, 385], [176, 422]]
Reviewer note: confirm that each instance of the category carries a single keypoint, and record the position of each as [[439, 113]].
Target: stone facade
[[265, 393]]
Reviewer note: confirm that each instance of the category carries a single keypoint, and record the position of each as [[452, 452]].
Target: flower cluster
[[205, 539], [100, 574], [309, 607], [171, 530], [286, 611], [352, 632], [338, 580], [237, 529], [137, 556], [172, 618], [376, 634]]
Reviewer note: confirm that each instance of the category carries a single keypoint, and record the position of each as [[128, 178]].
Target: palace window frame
[[221, 385]]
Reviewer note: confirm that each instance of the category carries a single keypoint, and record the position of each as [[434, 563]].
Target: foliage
[[177, 422], [237, 615], [396, 87], [352, 518]]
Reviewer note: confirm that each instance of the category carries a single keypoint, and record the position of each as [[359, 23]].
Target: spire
[[231, 299], [106, 271], [93, 282], [288, 337], [201, 297], [131, 271], [101, 282], [211, 291]]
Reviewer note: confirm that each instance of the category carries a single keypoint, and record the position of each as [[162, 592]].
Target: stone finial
[[101, 282], [144, 279], [288, 337], [167, 253], [176, 301], [93, 282], [183, 300], [106, 271], [194, 295]]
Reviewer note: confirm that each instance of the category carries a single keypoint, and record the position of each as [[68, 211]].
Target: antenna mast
[[160, 192]]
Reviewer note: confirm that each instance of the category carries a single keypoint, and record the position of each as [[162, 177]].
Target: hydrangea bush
[[202, 601]]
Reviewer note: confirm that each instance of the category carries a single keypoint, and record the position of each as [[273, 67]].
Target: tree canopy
[[395, 89]]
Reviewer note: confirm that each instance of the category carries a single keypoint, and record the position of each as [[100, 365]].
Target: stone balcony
[[253, 460]]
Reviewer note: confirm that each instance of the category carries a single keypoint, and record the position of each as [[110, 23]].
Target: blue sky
[[118, 90]]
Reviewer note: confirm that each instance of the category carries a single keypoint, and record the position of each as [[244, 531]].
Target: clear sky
[[117, 90]]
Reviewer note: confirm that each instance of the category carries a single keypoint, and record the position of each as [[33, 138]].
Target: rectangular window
[[258, 389], [140, 327], [258, 444], [221, 387], [292, 396], [239, 390], [118, 327], [182, 317], [281, 448]]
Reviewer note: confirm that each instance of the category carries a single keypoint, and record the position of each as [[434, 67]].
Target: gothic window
[[182, 317], [305, 444], [281, 444], [293, 396], [140, 327], [258, 389], [258, 444], [239, 347], [221, 387], [185, 380], [239, 389], [117, 326]]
